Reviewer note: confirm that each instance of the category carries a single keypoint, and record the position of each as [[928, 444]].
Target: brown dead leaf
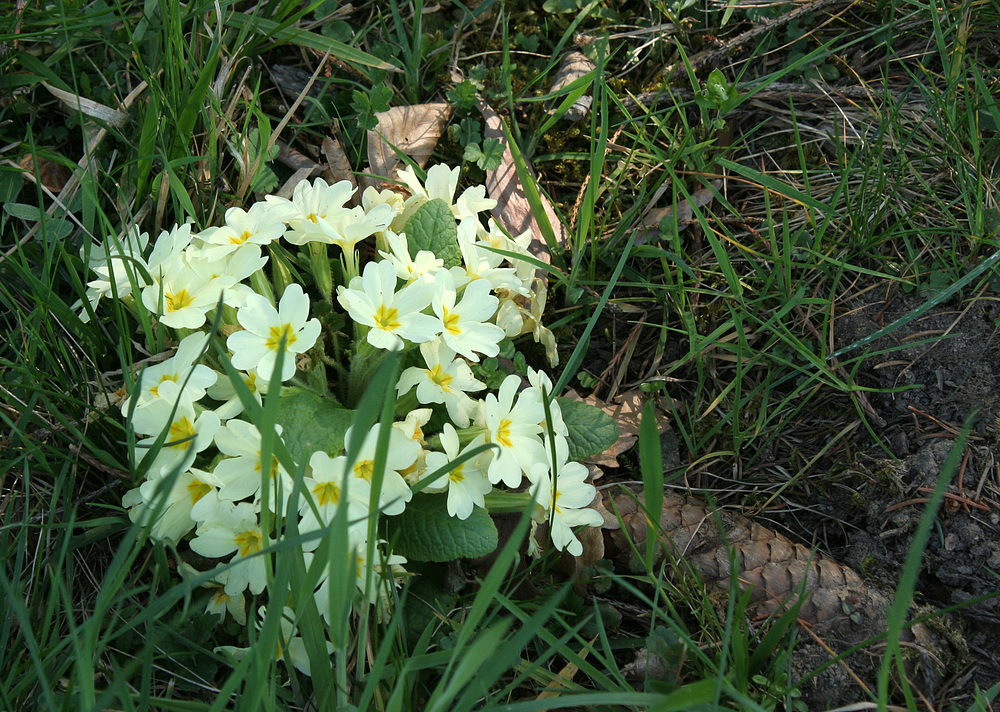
[[513, 211], [50, 174], [414, 130], [338, 167], [627, 414], [574, 66], [592, 539], [682, 217]]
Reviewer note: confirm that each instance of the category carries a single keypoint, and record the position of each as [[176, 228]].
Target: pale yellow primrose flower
[[310, 204], [267, 330], [373, 197], [169, 245], [412, 426], [441, 184], [541, 386], [193, 498], [348, 227], [515, 429], [237, 266], [330, 489], [372, 300], [220, 602], [240, 473], [464, 326], [377, 590], [261, 225], [444, 380], [117, 266], [181, 369], [235, 529], [562, 500], [402, 453], [224, 392], [423, 267], [466, 483], [290, 643], [184, 291], [480, 263], [188, 433]]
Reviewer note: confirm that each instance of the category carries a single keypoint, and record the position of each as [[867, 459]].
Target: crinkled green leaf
[[433, 228], [312, 422], [591, 430], [427, 533]]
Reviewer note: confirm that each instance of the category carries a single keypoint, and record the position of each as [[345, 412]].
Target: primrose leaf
[[428, 533], [433, 228], [312, 422], [591, 430]]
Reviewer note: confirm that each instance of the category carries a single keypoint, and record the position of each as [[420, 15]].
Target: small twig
[[711, 55], [807, 627], [952, 429]]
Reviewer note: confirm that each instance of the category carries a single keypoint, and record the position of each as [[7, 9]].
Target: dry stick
[[248, 177], [843, 663]]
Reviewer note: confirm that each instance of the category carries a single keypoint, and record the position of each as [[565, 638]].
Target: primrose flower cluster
[[205, 482]]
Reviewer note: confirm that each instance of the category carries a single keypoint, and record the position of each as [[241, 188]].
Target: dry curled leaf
[[50, 174], [414, 130], [574, 66], [89, 107], [627, 413], [338, 167], [683, 216], [513, 211]]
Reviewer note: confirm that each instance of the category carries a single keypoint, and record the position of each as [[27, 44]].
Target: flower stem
[[319, 261], [499, 502]]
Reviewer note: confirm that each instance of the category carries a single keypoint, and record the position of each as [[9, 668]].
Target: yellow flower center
[[387, 318], [456, 474], [198, 489], [277, 332], [220, 597], [451, 322], [249, 542], [178, 300], [503, 433], [326, 493], [274, 465], [240, 239], [441, 378], [172, 377], [181, 433], [364, 469]]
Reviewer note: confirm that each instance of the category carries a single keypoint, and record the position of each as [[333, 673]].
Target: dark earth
[[935, 373]]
